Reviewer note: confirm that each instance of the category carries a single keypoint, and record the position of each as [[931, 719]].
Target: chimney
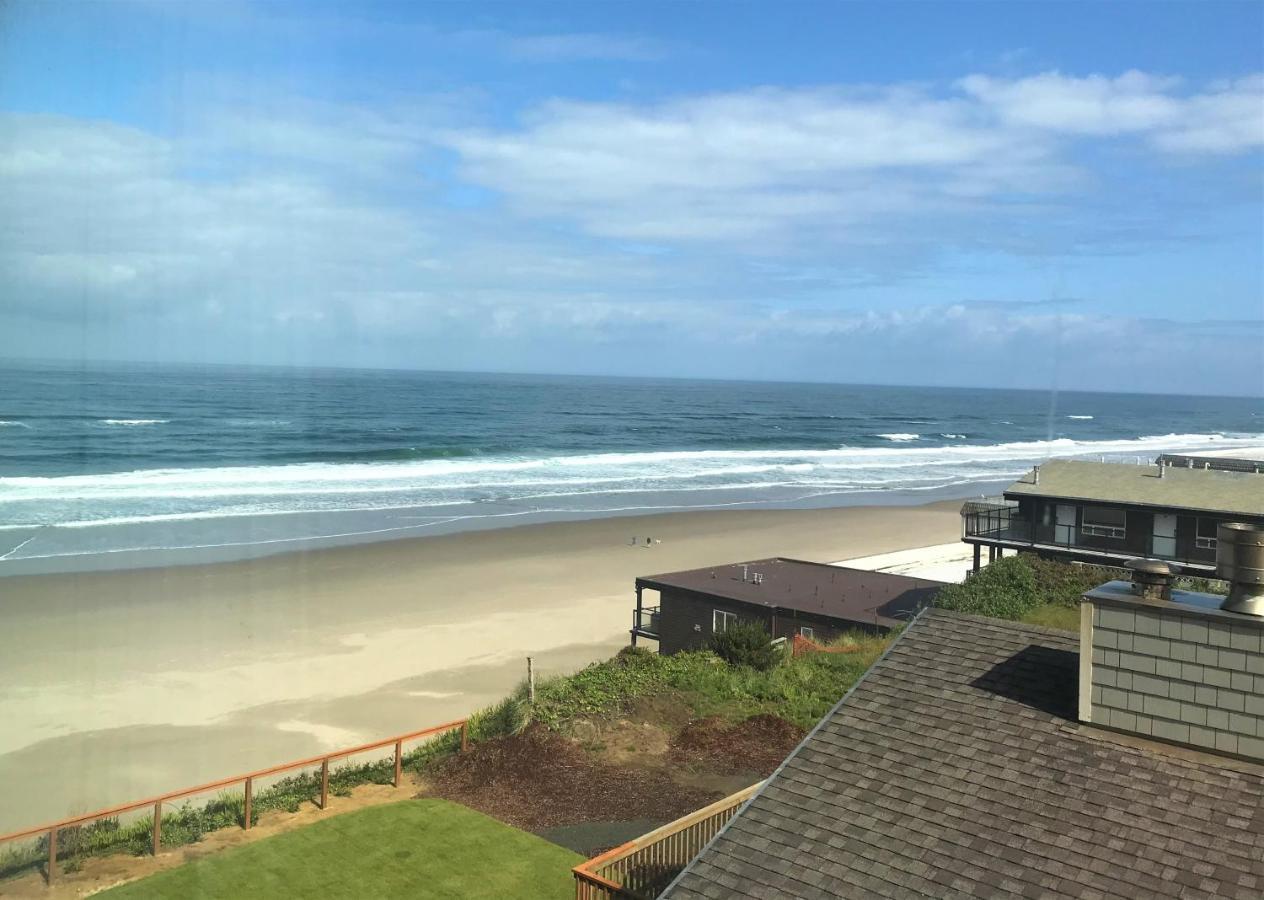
[[1179, 666], [1151, 578], [1240, 561]]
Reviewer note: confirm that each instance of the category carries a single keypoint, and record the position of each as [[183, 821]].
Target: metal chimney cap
[[1151, 566]]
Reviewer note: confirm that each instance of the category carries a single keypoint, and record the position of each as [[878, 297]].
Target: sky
[[1050, 196]]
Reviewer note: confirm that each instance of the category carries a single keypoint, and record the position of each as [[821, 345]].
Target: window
[[805, 631], [722, 621], [1206, 538], [1102, 522]]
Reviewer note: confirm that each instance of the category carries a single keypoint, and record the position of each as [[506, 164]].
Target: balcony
[[642, 868], [645, 622], [995, 520]]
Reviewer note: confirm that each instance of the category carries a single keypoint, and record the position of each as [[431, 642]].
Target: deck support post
[[636, 619], [249, 802], [52, 855], [157, 827], [324, 783], [976, 557], [399, 761]]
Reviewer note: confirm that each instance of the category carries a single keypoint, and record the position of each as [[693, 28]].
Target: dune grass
[[800, 689], [415, 848]]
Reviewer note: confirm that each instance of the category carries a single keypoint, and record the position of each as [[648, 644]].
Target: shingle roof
[[853, 595], [1203, 490], [955, 768]]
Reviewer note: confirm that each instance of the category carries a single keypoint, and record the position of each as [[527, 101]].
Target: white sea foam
[[592, 482], [900, 437], [1079, 417], [10, 423], [130, 422], [951, 436]]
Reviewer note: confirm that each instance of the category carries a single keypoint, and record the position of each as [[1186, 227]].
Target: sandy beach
[[120, 684]]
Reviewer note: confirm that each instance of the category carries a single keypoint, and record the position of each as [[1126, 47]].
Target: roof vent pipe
[[1240, 561], [1151, 578]]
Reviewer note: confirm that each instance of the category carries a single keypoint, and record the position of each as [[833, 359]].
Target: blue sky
[[1022, 194]]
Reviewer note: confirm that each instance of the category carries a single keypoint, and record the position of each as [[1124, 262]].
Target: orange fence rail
[[247, 781], [643, 867]]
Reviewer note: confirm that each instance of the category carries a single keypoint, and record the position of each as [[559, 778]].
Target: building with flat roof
[[786, 596], [1107, 513]]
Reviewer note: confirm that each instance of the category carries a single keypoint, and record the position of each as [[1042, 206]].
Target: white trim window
[[722, 621], [1102, 521], [807, 632], [1206, 537]]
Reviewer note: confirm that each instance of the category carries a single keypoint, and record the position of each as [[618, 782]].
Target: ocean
[[105, 466]]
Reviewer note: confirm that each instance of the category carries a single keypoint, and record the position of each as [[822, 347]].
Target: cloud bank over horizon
[[1082, 225]]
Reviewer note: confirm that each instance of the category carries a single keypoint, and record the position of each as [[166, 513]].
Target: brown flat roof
[[851, 595]]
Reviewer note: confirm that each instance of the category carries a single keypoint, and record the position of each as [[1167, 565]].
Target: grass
[[415, 848], [800, 689], [1053, 615], [187, 823]]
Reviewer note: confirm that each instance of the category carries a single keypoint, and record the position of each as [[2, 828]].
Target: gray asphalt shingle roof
[[955, 768]]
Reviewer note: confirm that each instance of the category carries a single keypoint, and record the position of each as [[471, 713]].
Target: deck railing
[[247, 782], [996, 520], [643, 867], [645, 620]]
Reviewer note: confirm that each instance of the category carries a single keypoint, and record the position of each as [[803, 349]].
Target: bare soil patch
[[756, 745], [539, 780]]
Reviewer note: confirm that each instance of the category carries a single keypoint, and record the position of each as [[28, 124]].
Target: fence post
[[324, 783], [465, 736], [52, 854], [530, 680], [399, 761], [246, 807], [157, 827]]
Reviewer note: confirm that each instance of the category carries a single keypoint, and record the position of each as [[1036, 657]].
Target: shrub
[[1005, 590], [746, 644]]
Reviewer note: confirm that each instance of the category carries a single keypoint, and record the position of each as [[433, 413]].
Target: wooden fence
[[642, 868], [247, 781]]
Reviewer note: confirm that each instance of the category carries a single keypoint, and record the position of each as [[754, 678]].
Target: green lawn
[[415, 848], [1053, 615]]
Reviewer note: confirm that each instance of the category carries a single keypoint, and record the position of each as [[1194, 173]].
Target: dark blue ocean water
[[125, 458]]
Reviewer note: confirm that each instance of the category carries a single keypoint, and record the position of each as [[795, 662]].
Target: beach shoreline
[[126, 683]]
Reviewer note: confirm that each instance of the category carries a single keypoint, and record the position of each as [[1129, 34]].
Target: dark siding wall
[[823, 629], [685, 619]]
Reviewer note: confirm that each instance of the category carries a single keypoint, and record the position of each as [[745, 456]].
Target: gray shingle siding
[[1187, 680]]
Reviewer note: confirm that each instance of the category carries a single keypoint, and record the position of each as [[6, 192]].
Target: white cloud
[[1226, 117], [758, 164], [743, 219], [742, 166]]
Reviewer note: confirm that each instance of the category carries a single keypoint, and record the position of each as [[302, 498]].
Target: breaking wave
[[591, 482]]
